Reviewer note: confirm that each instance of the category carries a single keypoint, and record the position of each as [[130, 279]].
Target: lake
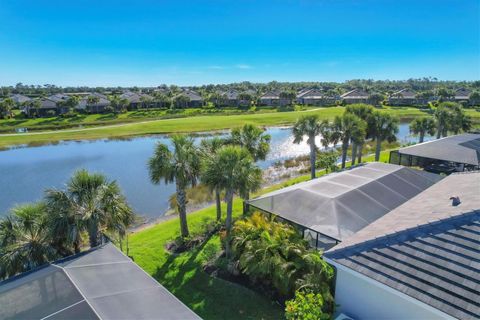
[[26, 172]]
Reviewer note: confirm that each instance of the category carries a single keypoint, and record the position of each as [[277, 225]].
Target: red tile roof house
[[355, 96], [419, 261]]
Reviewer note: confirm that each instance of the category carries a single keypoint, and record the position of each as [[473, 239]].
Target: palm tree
[[91, 203], [24, 242], [257, 143], [326, 133], [182, 167], [363, 111], [235, 171], [422, 126], [308, 126], [349, 126], [209, 148], [384, 126], [442, 116]]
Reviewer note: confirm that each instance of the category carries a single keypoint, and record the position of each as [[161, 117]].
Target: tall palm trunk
[[313, 156], [219, 204], [93, 233], [246, 206], [354, 153], [439, 130], [182, 211], [344, 152], [422, 136], [360, 152], [378, 148], [228, 221]]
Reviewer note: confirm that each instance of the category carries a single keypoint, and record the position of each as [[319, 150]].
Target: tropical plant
[[422, 126], [384, 127], [24, 240], [450, 116], [363, 111], [289, 95], [181, 166], [6, 107], [328, 160], [209, 148], [90, 203], [375, 98], [233, 170], [306, 305], [349, 126], [257, 143], [274, 253], [311, 127], [327, 134]]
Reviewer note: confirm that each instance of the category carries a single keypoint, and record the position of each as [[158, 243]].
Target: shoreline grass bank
[[182, 125]]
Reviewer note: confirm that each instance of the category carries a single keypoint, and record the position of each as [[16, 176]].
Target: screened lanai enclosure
[[99, 284], [333, 207], [451, 154]]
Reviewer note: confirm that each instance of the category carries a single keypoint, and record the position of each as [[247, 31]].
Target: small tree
[[6, 107], [422, 126], [384, 127], [306, 305], [328, 160], [308, 126]]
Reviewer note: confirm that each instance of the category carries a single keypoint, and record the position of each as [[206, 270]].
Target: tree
[[181, 100], [349, 126], [306, 305], [118, 104], [474, 97], [234, 171], [90, 203], [327, 134], [181, 166], [209, 148], [289, 95], [308, 126], [375, 98], [450, 116], [384, 127], [256, 142], [363, 111], [327, 160], [6, 107], [422, 126], [24, 242]]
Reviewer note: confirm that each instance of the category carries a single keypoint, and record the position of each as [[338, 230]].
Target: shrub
[[274, 254], [306, 306]]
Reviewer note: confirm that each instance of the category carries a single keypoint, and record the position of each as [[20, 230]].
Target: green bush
[[275, 254], [306, 306]]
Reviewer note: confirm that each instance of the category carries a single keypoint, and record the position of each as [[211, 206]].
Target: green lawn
[[190, 124], [182, 274]]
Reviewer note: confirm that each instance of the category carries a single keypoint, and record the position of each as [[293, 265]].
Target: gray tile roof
[[19, 98], [462, 94], [463, 148], [426, 248], [99, 284], [340, 204], [403, 94], [194, 96], [355, 94], [271, 95], [314, 94]]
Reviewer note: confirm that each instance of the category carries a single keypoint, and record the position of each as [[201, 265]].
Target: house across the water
[[101, 283], [419, 261], [450, 154]]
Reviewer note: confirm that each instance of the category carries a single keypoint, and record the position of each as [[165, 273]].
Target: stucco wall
[[360, 297]]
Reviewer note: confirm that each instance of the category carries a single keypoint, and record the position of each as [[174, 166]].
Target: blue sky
[[147, 43]]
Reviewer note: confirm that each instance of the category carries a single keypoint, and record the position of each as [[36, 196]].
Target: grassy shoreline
[[183, 125]]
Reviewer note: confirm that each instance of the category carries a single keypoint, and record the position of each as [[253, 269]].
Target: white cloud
[[243, 66]]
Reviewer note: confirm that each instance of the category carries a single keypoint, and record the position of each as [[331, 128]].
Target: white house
[[419, 261]]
